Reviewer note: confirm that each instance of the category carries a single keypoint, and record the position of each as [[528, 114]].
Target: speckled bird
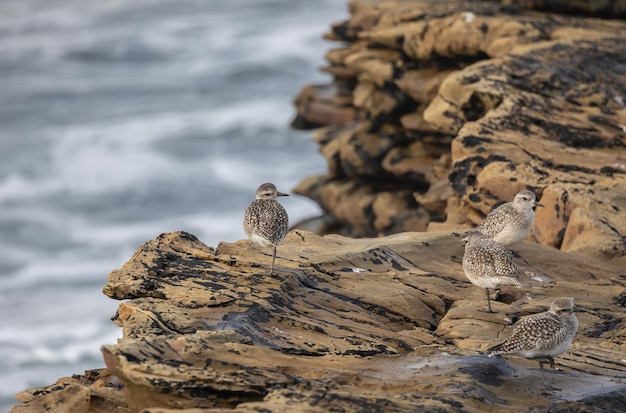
[[543, 336], [511, 222], [488, 264], [266, 222]]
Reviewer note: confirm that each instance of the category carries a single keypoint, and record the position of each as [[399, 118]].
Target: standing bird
[[511, 222], [488, 264], [542, 336], [266, 222]]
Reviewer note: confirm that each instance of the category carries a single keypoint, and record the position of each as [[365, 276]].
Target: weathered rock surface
[[383, 324], [463, 104]]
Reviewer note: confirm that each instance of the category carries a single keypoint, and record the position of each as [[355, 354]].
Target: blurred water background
[[120, 120]]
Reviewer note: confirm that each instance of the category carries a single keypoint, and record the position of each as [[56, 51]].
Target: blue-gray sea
[[120, 120]]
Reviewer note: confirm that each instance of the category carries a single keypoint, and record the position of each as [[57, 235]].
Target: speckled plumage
[[511, 222], [488, 264], [544, 335], [266, 222]]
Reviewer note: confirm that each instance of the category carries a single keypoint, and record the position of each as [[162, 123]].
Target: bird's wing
[[541, 329], [493, 222]]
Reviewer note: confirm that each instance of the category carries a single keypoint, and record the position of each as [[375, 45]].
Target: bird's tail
[[495, 350], [509, 280]]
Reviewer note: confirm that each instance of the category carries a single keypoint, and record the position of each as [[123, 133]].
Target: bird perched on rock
[[511, 222], [488, 264], [543, 336], [266, 222]]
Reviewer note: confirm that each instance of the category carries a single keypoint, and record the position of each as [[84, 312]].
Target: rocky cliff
[[440, 109], [437, 110]]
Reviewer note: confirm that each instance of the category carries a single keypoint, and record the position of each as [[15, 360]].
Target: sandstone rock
[[385, 323], [507, 149], [323, 107], [513, 98], [95, 391], [368, 208], [421, 84], [610, 8]]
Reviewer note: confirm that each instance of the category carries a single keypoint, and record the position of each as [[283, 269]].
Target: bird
[[511, 222], [266, 221], [542, 336], [488, 264]]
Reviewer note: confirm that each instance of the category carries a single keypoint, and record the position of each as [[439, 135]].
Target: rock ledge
[[384, 324]]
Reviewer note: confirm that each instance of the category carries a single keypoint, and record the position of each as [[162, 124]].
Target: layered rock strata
[[383, 324], [440, 109]]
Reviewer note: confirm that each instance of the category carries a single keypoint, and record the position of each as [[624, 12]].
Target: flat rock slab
[[384, 324]]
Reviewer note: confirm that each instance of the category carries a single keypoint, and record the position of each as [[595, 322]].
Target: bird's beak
[[282, 194], [539, 204]]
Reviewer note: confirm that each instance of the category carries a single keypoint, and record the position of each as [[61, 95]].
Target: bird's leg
[[273, 258], [541, 361], [546, 359], [547, 387], [488, 302]]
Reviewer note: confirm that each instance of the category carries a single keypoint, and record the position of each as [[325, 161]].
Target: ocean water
[[120, 120]]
